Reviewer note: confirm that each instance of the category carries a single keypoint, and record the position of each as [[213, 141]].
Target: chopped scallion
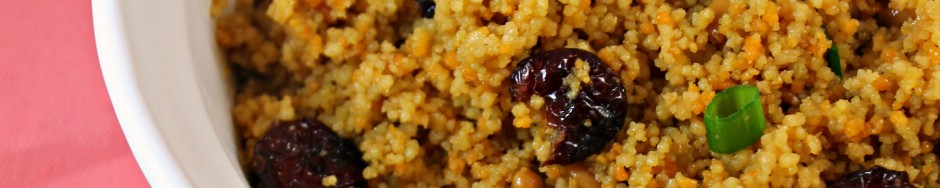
[[734, 119], [832, 57]]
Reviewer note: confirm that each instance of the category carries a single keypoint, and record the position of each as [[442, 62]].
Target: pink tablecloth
[[57, 124]]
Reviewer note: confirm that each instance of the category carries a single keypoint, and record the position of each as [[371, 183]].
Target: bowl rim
[[146, 143]]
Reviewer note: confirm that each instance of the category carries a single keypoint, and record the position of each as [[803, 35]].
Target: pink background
[[57, 124]]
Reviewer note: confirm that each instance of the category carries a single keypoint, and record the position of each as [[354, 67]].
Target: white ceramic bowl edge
[[169, 92]]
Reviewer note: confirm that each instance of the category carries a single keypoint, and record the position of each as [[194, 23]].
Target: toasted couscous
[[434, 94]]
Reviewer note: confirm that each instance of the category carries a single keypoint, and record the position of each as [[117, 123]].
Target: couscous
[[422, 93]]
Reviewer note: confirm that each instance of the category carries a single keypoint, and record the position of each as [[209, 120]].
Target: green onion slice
[[734, 119], [832, 57]]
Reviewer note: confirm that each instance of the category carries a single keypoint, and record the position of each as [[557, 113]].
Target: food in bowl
[[600, 93]]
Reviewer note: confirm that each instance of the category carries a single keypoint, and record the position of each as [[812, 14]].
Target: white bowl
[[165, 79]]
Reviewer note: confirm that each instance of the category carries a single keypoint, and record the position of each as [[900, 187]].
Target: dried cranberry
[[302, 153], [874, 177], [583, 125]]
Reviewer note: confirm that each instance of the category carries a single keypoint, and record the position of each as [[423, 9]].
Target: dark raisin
[[583, 125], [302, 153], [874, 177], [427, 8]]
